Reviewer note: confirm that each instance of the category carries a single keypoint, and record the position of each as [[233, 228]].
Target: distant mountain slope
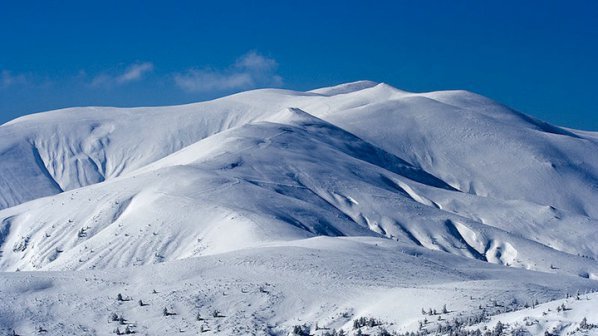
[[287, 177], [470, 142], [483, 148]]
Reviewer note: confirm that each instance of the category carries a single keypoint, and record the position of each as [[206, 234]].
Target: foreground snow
[[268, 290], [579, 317]]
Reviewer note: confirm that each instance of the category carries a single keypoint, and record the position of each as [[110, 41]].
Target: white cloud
[[253, 61], [8, 79], [132, 73], [135, 72], [249, 71], [209, 80]]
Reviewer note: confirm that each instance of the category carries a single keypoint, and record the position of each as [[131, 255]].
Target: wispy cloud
[[133, 72], [249, 71], [8, 79]]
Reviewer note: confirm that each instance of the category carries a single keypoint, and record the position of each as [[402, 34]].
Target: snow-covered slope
[[574, 315], [450, 175], [321, 282], [261, 183], [472, 143]]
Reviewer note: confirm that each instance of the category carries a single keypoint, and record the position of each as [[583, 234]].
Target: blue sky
[[539, 57]]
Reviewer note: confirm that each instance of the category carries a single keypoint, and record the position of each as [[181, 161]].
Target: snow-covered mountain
[[342, 199]]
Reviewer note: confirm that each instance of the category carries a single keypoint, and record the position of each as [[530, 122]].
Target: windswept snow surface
[[282, 208]]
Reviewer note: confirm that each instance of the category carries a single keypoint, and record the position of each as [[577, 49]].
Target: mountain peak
[[345, 88]]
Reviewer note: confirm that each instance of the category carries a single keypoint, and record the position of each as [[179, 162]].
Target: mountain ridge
[[229, 149], [272, 211]]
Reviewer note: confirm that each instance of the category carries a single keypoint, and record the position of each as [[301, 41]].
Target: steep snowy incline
[[226, 193], [449, 171], [46, 153], [470, 142], [460, 137], [481, 147]]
